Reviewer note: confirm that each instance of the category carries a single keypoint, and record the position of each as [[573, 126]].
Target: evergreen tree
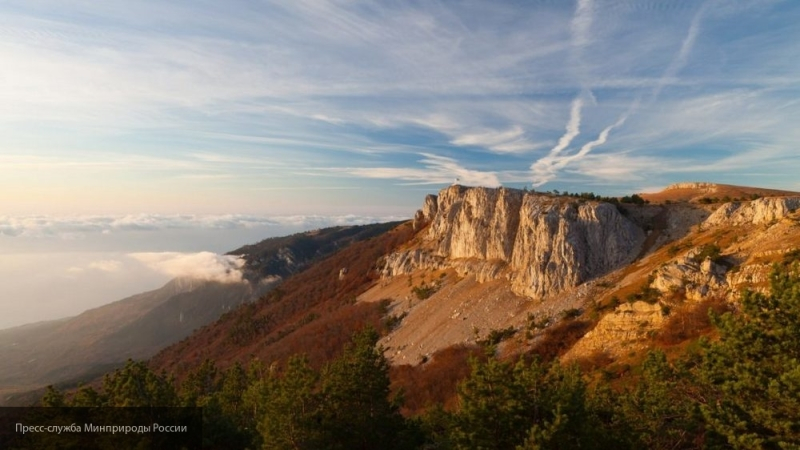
[[53, 397], [660, 412], [137, 385], [290, 406], [753, 371], [524, 406], [356, 412], [199, 385]]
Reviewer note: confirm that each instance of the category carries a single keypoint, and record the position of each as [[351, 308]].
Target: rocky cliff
[[542, 244], [756, 212]]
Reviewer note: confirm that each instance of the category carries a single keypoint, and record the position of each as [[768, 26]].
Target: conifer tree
[[753, 371], [356, 412]]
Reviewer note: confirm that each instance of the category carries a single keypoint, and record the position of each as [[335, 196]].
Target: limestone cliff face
[[542, 244], [476, 223], [562, 244], [756, 212]]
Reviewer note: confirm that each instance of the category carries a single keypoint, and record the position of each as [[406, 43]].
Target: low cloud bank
[[77, 227], [203, 265]]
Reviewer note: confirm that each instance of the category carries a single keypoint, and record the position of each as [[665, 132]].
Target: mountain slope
[[81, 347], [313, 312]]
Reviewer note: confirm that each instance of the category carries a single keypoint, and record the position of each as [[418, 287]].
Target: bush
[[572, 313], [711, 251], [423, 291], [497, 336]]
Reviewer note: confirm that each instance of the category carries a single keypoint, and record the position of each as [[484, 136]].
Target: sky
[[133, 127]]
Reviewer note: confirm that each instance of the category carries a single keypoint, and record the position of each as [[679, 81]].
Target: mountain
[[588, 279], [558, 275], [500, 259], [700, 191], [287, 255], [523, 316], [82, 347]]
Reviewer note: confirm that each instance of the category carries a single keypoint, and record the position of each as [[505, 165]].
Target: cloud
[[573, 127], [544, 169], [601, 139], [502, 141], [582, 22], [437, 170], [78, 227], [274, 89], [106, 265], [682, 56], [203, 265]]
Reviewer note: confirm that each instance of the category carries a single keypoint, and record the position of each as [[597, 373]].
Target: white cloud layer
[[203, 265], [78, 227]]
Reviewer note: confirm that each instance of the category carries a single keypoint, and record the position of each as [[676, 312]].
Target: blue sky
[[361, 107]]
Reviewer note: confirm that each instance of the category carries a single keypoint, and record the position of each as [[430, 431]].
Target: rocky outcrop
[[624, 329], [755, 212], [425, 215], [562, 244], [405, 262], [429, 207], [476, 223], [708, 187], [543, 244], [697, 279]]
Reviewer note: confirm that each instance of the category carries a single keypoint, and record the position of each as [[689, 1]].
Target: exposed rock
[[627, 327], [709, 187], [418, 222], [697, 280], [749, 276], [401, 263], [429, 207], [476, 222], [562, 244], [543, 244], [763, 210]]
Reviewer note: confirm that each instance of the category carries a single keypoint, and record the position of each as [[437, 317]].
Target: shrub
[[711, 251], [423, 291], [497, 336], [572, 313]]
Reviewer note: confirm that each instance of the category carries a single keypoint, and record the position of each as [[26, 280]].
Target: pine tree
[[356, 412], [290, 406], [753, 371]]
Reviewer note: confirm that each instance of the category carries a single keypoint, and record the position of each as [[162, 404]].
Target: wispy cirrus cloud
[[436, 170]]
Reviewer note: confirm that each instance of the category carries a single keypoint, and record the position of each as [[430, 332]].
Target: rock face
[[697, 279], [756, 212], [692, 185], [562, 244], [623, 329], [542, 244]]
